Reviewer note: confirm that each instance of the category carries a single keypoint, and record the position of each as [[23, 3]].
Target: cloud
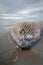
[[28, 11], [31, 16], [21, 9], [10, 16], [23, 12], [11, 6], [16, 16], [13, 18]]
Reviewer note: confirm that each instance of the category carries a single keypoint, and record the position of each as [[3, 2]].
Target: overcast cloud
[[21, 10]]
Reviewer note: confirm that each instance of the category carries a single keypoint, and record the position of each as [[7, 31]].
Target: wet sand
[[33, 56]]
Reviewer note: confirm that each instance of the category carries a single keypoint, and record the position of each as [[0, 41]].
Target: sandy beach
[[34, 56]]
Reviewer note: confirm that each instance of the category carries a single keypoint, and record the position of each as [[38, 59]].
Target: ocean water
[[5, 25]]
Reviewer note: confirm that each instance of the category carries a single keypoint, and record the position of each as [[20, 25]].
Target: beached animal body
[[25, 28], [25, 33]]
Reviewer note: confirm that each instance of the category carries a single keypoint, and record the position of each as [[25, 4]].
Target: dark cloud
[[13, 5]]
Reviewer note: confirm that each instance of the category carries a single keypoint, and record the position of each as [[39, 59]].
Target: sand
[[33, 56]]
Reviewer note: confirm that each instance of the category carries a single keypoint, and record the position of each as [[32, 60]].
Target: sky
[[21, 10]]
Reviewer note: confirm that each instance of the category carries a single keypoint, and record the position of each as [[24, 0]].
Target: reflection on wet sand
[[24, 55]]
